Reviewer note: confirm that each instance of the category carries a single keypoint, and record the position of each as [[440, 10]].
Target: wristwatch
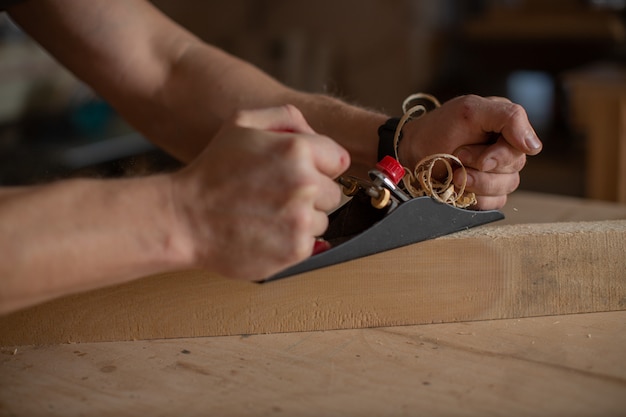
[[418, 102], [386, 133]]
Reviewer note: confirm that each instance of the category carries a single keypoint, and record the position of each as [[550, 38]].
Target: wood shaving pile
[[420, 181]]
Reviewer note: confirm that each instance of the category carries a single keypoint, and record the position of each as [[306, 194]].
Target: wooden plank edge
[[493, 272]]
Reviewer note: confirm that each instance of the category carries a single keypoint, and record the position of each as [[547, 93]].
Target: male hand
[[254, 200], [491, 136]]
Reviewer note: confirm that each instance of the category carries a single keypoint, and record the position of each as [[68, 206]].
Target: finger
[[487, 183], [320, 193], [320, 224], [498, 98], [278, 119], [490, 202], [329, 157], [500, 157], [506, 118], [329, 195], [302, 226]]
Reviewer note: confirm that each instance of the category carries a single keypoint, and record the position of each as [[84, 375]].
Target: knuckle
[[320, 223], [291, 160], [519, 163], [240, 118], [491, 203], [295, 148], [514, 183], [335, 194], [301, 226], [468, 107], [300, 188], [299, 248], [292, 112], [500, 202], [302, 249], [469, 98], [298, 221], [515, 112]]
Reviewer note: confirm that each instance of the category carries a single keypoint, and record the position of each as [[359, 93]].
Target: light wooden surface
[[530, 207], [499, 271], [508, 271], [570, 365], [551, 366]]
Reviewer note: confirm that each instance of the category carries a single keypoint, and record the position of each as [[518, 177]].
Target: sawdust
[[537, 229]]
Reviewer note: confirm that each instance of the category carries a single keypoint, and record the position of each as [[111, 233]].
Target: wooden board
[[531, 207], [546, 366], [485, 273]]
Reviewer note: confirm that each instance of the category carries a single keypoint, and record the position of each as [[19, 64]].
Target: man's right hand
[[254, 200]]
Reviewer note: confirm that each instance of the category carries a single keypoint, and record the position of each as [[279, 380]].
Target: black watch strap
[[386, 132]]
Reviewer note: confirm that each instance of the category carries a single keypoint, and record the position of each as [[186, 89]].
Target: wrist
[[386, 138], [395, 129], [407, 155], [390, 140], [176, 248]]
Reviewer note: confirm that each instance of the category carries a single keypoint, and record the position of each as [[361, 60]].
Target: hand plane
[[380, 216]]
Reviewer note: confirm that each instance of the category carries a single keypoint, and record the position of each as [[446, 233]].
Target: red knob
[[391, 168], [320, 246]]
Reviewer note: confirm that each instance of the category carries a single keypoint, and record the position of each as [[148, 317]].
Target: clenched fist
[[490, 135], [254, 200]]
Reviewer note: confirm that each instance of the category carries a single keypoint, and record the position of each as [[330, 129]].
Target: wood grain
[[546, 366], [531, 207], [493, 272]]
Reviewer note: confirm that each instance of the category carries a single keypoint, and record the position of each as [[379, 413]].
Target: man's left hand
[[490, 135]]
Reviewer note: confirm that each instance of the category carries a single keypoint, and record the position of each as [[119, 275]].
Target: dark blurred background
[[563, 60]]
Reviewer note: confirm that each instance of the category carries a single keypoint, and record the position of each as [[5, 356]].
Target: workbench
[[571, 365]]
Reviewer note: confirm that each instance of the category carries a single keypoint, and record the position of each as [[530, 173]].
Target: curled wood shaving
[[420, 181]]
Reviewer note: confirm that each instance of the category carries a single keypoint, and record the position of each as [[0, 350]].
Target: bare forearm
[[242, 86], [222, 212], [171, 86], [82, 234]]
